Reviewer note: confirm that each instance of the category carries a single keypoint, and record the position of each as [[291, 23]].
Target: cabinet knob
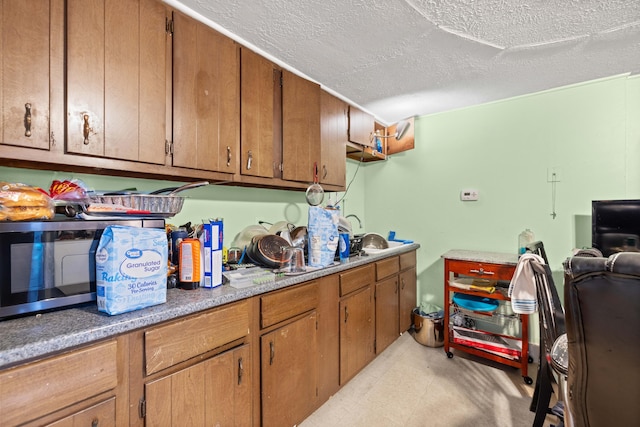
[[27, 119]]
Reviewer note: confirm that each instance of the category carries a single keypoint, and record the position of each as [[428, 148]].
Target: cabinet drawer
[[176, 342], [101, 414], [279, 306], [357, 278], [408, 260], [387, 267], [483, 270], [46, 386]]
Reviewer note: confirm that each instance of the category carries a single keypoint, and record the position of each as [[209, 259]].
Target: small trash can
[[429, 327]]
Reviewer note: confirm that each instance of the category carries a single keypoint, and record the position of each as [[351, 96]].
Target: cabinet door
[[116, 79], [408, 295], [258, 88], [361, 126], [25, 37], [333, 137], [357, 332], [214, 392], [206, 97], [289, 372], [300, 128], [386, 313]]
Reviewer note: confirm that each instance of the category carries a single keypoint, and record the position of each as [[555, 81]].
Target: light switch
[[469, 195]]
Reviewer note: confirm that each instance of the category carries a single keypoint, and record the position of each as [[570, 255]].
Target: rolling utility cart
[[477, 312]]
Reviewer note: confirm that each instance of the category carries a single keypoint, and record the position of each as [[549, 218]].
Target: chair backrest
[[538, 249], [602, 307]]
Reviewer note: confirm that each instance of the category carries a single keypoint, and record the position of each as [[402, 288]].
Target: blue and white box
[[212, 231]]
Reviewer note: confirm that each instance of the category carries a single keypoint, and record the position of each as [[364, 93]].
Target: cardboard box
[[212, 253]]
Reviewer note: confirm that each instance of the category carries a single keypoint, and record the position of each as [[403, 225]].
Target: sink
[[392, 246]]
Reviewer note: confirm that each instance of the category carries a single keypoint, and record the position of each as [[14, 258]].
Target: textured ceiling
[[401, 58]]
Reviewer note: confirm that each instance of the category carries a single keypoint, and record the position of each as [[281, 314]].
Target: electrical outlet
[[553, 174], [467, 195]]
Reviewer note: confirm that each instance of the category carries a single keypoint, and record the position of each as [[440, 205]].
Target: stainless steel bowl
[[374, 241]]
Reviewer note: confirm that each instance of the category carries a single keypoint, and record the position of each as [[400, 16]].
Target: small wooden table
[[484, 265]]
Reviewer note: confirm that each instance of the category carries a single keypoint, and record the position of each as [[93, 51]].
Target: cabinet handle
[[272, 351], [402, 280], [396, 287], [228, 156], [481, 271], [324, 171], [94, 422], [86, 128], [346, 314], [249, 160], [240, 370], [27, 119]]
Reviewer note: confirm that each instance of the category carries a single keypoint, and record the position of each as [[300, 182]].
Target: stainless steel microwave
[[51, 264]]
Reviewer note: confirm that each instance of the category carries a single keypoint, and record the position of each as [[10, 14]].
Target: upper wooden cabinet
[[300, 128], [117, 79], [361, 127], [206, 97], [260, 115], [334, 127], [28, 30]]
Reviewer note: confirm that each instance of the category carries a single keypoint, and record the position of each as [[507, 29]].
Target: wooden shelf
[[367, 154]]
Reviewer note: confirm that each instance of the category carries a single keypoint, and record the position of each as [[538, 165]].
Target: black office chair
[[602, 301], [551, 322]]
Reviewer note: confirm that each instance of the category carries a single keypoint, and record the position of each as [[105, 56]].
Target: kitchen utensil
[[292, 261], [374, 241], [159, 205], [174, 190], [234, 255], [243, 238], [299, 237], [267, 250], [315, 192]]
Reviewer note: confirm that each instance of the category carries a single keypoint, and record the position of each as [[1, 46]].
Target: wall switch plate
[[467, 195], [553, 174]]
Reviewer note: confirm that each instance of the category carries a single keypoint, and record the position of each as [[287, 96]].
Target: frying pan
[[267, 250]]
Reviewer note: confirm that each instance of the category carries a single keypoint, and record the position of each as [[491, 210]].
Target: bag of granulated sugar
[[131, 268]]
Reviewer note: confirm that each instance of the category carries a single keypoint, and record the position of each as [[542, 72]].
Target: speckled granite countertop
[[481, 256], [31, 337]]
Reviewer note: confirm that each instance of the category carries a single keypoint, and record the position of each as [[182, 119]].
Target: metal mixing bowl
[[374, 241]]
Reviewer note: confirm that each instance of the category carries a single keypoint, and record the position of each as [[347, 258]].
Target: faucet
[[356, 217]]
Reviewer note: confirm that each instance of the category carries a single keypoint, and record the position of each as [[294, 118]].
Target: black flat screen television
[[615, 226]]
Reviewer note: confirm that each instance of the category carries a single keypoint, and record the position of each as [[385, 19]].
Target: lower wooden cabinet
[[357, 332], [386, 313], [407, 289], [270, 360], [214, 392], [65, 389], [289, 370]]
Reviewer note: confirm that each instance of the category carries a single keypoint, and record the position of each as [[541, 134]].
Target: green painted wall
[[238, 206], [590, 134]]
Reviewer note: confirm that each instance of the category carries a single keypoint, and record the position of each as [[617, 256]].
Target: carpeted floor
[[412, 385]]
